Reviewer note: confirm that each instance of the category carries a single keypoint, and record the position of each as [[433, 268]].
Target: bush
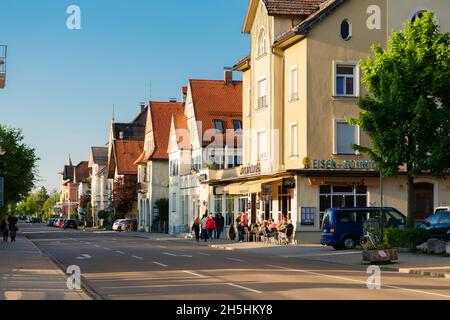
[[103, 215], [406, 238]]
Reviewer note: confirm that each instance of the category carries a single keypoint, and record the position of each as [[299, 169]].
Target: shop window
[[229, 218], [218, 204], [342, 197], [307, 216]]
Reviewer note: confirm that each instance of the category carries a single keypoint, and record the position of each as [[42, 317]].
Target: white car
[[123, 225], [442, 209]]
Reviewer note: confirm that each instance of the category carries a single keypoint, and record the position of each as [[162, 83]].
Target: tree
[[20, 171], [124, 194], [51, 202], [407, 111]]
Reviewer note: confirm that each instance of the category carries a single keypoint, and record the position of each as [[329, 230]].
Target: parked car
[[125, 225], [50, 222], [441, 209], [343, 228], [59, 223], [36, 220], [438, 225], [70, 224]]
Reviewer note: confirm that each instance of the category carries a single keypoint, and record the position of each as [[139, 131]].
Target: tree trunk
[[411, 198]]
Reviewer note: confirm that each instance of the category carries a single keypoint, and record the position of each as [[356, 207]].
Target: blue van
[[342, 228]]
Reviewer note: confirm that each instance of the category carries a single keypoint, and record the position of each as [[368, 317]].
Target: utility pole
[[381, 207]]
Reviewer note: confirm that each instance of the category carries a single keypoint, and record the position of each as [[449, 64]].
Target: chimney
[[143, 105], [228, 76], [172, 99], [121, 135], [184, 93]]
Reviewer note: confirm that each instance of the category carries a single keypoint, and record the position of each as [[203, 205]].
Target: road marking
[[107, 249], [195, 274], [358, 281], [204, 254], [96, 245], [88, 243], [185, 256], [162, 247], [234, 259], [169, 254], [139, 258], [244, 288], [120, 252], [160, 264], [84, 257]]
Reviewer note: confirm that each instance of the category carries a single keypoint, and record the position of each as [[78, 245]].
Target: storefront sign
[[253, 169], [289, 183], [345, 165]]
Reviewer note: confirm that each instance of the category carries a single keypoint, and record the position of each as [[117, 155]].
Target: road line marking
[[244, 288], [160, 264], [96, 245], [195, 274], [162, 247], [120, 252], [139, 258], [185, 256], [107, 249], [169, 254], [204, 254], [359, 281], [88, 243], [234, 259]]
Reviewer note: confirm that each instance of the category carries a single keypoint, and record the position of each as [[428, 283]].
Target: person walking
[[196, 228], [12, 220], [204, 232], [5, 228], [220, 223], [210, 226]]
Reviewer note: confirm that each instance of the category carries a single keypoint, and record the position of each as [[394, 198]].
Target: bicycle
[[370, 238]]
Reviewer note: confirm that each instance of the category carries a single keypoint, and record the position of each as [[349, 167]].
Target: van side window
[[347, 217], [445, 218]]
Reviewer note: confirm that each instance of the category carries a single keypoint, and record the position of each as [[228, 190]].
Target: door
[[253, 209], [424, 197]]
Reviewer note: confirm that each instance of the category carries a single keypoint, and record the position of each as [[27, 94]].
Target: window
[[294, 141], [262, 146], [218, 124], [262, 43], [346, 29], [174, 202], [307, 216], [218, 204], [262, 93], [418, 15], [345, 80], [237, 125], [174, 168], [294, 84], [345, 138], [249, 107]]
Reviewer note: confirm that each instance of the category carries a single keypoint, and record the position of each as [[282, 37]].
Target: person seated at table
[[272, 226], [282, 226]]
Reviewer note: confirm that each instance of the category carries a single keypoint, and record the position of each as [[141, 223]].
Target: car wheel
[[349, 243]]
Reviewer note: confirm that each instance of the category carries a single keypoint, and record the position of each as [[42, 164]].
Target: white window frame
[[174, 202], [293, 84], [259, 96], [356, 78], [262, 43], [258, 150], [249, 107], [293, 140], [335, 137]]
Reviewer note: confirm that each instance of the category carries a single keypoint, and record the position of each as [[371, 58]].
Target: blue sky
[[62, 84]]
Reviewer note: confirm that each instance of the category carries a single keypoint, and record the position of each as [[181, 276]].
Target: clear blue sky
[[61, 84]]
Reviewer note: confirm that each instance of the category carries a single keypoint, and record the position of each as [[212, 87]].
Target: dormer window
[[262, 43], [218, 124]]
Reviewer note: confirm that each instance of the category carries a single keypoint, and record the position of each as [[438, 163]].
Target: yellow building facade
[[301, 82]]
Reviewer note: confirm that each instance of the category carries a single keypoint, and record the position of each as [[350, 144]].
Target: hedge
[[406, 238]]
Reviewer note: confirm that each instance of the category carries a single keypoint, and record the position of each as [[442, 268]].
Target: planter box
[[380, 255]]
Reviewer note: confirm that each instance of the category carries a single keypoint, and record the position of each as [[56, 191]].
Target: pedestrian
[[240, 228], [5, 228], [204, 232], [196, 228], [220, 223], [210, 226], [12, 220]]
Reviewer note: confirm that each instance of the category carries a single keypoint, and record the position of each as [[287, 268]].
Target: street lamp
[[381, 207]]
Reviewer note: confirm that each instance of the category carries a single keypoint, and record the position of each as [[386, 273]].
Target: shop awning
[[248, 187]]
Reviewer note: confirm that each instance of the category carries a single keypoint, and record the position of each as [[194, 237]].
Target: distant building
[[100, 185]]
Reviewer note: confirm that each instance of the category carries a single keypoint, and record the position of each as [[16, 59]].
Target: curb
[[425, 273], [88, 290]]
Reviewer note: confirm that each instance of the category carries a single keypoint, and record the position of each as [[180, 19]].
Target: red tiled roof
[[160, 116], [183, 136], [125, 154], [214, 100], [81, 172], [293, 7]]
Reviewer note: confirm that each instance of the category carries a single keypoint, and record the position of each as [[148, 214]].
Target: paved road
[[121, 266]]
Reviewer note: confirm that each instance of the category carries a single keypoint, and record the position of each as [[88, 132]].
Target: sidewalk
[[25, 274]]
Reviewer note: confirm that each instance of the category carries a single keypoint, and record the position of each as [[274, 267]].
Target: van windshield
[[326, 219]]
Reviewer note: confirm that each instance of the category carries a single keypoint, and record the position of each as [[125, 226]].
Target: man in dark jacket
[[12, 219], [220, 222]]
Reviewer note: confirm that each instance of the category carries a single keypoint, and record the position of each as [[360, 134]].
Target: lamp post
[[381, 207]]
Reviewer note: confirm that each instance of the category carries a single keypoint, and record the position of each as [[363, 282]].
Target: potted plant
[[379, 253]]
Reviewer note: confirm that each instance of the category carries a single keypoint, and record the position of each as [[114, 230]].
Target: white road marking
[[84, 257], [234, 259], [204, 254], [96, 245], [244, 288], [162, 247], [120, 252], [185, 256], [160, 264], [139, 258], [195, 274], [107, 249], [358, 281], [169, 254], [88, 243]]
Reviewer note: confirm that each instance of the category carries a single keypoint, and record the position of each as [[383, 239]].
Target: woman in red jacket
[[210, 226]]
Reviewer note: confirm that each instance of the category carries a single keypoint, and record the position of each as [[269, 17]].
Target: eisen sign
[[345, 165]]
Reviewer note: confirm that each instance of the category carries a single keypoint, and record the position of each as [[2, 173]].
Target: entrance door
[[253, 209], [424, 198]]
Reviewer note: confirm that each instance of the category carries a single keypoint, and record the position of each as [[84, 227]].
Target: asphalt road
[[122, 266]]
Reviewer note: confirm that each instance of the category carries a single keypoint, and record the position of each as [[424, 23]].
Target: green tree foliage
[[20, 170], [407, 111], [51, 202]]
